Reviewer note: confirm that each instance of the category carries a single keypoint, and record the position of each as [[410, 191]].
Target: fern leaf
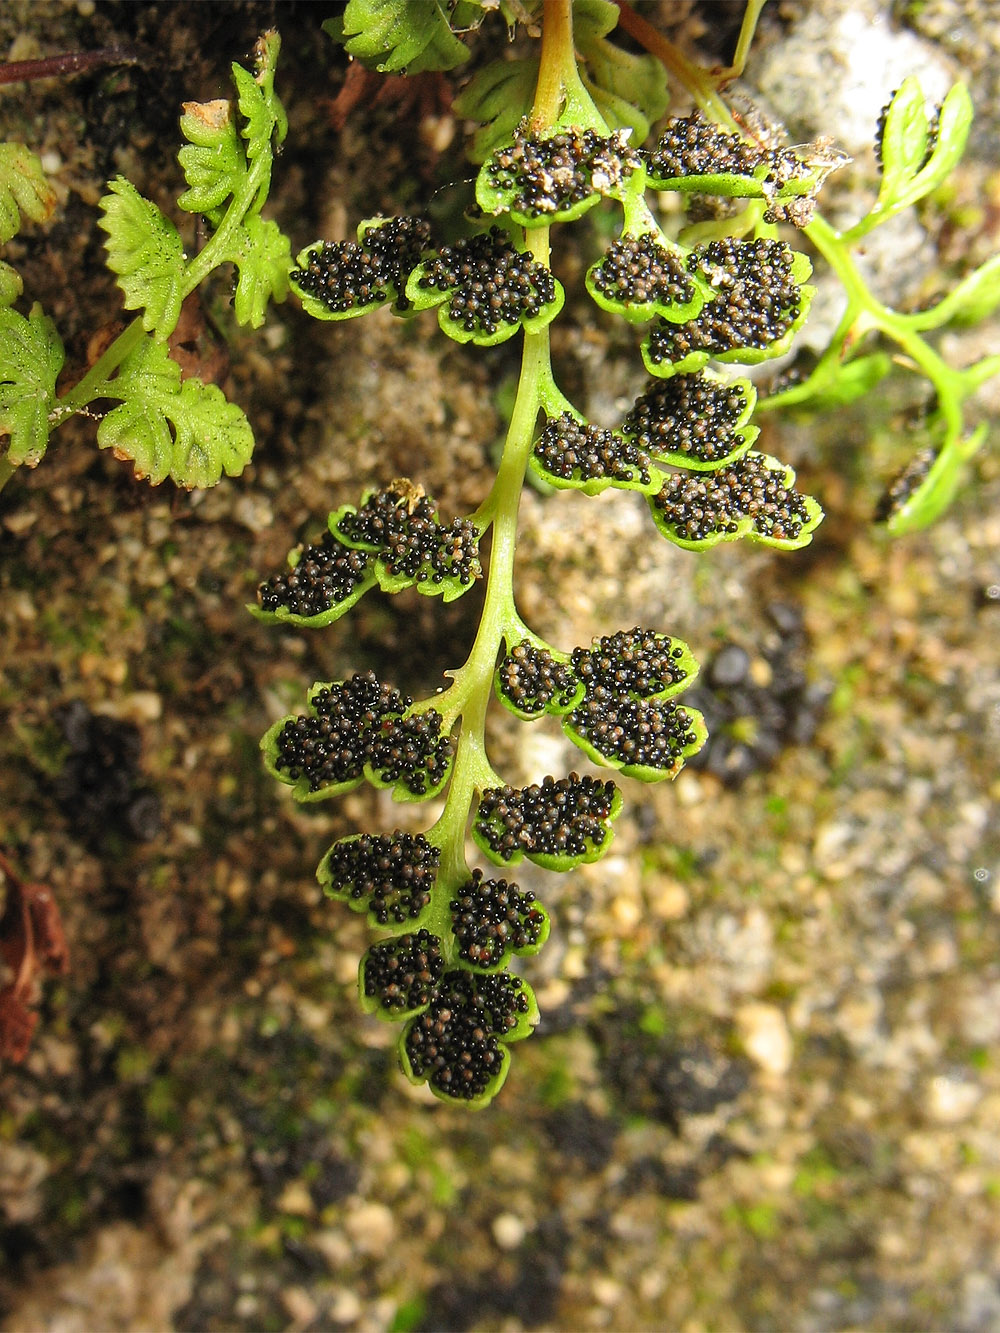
[[398, 36], [31, 357], [499, 96], [145, 251], [23, 189], [212, 159], [168, 428], [262, 255]]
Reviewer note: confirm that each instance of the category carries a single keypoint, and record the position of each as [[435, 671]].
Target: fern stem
[[560, 94], [469, 697], [875, 315], [556, 65], [698, 82], [74, 62], [748, 27], [96, 381], [472, 686], [218, 249]]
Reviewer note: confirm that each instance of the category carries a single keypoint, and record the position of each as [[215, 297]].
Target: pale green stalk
[[469, 695]]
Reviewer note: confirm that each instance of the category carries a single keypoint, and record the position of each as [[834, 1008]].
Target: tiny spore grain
[[903, 486], [325, 574], [402, 974], [636, 661], [758, 301], [880, 127], [455, 1044], [411, 750], [649, 733], [693, 146], [709, 503], [404, 530], [333, 742]]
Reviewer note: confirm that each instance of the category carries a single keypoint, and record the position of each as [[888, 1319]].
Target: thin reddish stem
[[72, 62]]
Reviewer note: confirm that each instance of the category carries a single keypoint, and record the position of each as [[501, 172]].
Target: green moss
[[409, 1315], [655, 1022], [162, 1104], [422, 1156], [682, 863], [133, 1064], [816, 1172], [557, 1087], [843, 700], [293, 1227], [978, 1057], [73, 1208], [762, 1220]]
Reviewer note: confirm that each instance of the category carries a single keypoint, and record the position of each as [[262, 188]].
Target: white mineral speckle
[[839, 67], [766, 1038], [951, 1098], [508, 1231]]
